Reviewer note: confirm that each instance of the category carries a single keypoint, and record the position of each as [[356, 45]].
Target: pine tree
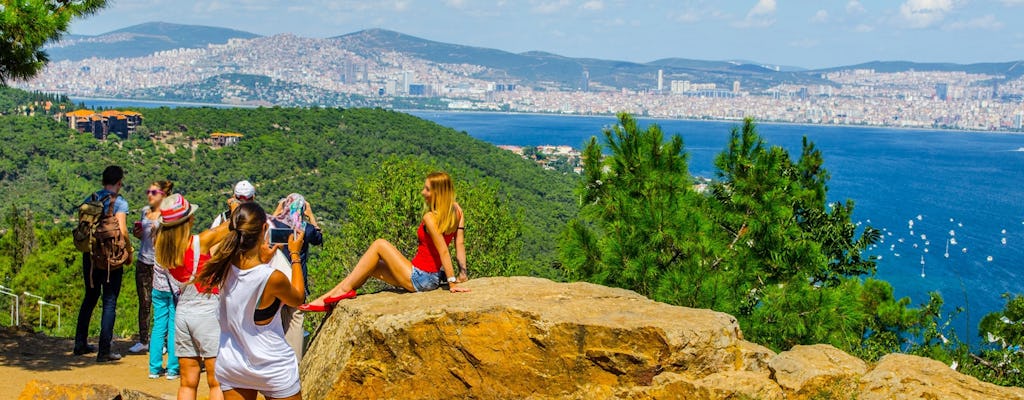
[[26, 26], [763, 244]]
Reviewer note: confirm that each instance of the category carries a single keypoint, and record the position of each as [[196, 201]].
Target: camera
[[280, 235]]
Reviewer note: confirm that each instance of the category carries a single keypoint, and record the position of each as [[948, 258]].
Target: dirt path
[[25, 356]]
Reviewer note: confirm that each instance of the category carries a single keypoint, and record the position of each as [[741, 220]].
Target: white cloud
[[455, 3], [987, 22], [760, 16], [854, 7], [549, 7], [820, 17], [695, 14], [593, 5], [925, 13], [763, 7]]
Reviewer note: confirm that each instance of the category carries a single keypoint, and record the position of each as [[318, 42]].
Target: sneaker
[[138, 348], [108, 357], [87, 350], [171, 376], [154, 375]]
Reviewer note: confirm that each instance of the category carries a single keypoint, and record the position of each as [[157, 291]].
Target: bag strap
[[110, 207], [195, 256], [171, 286]]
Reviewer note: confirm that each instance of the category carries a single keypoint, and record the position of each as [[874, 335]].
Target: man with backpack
[[103, 230]]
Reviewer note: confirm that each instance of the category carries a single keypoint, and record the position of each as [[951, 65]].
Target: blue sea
[[925, 188], [932, 192]]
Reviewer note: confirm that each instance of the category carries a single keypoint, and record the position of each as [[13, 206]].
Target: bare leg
[[383, 261], [297, 396], [211, 380], [189, 380], [250, 394], [240, 394]]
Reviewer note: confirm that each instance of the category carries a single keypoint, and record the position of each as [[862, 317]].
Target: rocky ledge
[[532, 338]]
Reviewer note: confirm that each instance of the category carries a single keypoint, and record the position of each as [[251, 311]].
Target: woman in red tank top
[[443, 223]]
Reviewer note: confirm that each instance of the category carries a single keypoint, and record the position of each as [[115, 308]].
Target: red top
[[184, 272], [427, 258]]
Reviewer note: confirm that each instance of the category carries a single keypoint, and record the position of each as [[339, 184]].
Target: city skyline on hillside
[[803, 33]]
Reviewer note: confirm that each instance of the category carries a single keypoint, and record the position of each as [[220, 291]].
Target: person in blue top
[[101, 282]]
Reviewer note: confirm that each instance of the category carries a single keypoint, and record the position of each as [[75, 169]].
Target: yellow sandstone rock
[[45, 390], [529, 338]]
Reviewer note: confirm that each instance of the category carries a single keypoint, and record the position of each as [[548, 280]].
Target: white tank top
[[252, 356]]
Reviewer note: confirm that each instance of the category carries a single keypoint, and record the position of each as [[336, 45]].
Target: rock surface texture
[[44, 390], [516, 338]]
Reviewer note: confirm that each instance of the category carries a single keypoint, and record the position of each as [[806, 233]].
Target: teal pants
[[162, 334]]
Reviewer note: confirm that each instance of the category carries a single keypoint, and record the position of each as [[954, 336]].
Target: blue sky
[[804, 33]]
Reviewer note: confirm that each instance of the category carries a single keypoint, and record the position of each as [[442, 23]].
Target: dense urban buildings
[[315, 68]]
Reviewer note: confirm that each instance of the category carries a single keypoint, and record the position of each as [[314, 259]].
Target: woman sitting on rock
[[443, 222], [254, 356]]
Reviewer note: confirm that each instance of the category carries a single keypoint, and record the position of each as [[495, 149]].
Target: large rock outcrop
[[518, 337]]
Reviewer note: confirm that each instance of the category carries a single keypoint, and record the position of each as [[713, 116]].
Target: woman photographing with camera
[[442, 223], [254, 356], [184, 255]]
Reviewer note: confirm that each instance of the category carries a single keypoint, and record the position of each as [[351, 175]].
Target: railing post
[[15, 311], [43, 303], [40, 307]]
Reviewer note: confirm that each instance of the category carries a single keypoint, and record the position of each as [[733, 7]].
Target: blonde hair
[[171, 242], [442, 201]]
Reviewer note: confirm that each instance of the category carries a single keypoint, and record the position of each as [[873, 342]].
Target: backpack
[[109, 247], [89, 214]]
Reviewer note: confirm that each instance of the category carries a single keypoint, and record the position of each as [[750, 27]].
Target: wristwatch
[[451, 279]]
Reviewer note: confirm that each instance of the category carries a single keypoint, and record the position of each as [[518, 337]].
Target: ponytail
[[244, 229]]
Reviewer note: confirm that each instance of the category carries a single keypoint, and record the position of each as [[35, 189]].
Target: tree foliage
[[762, 243], [27, 25]]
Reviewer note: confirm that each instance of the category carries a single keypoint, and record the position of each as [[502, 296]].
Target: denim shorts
[[425, 281]]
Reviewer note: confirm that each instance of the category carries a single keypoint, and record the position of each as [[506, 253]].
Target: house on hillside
[[225, 138], [119, 123]]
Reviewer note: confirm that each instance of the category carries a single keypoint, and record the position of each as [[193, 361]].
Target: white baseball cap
[[245, 189]]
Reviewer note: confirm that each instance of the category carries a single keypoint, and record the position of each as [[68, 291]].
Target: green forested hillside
[[369, 158]]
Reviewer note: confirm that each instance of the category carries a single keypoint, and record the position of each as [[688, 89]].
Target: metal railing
[[15, 311], [16, 306]]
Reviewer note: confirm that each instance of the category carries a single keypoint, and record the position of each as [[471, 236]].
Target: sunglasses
[[154, 192], [244, 198]]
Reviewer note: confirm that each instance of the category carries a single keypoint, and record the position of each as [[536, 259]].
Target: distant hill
[[537, 69], [564, 72], [248, 89], [1011, 69], [142, 40]]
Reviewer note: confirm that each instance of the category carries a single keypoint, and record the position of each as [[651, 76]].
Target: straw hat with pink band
[[175, 210]]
